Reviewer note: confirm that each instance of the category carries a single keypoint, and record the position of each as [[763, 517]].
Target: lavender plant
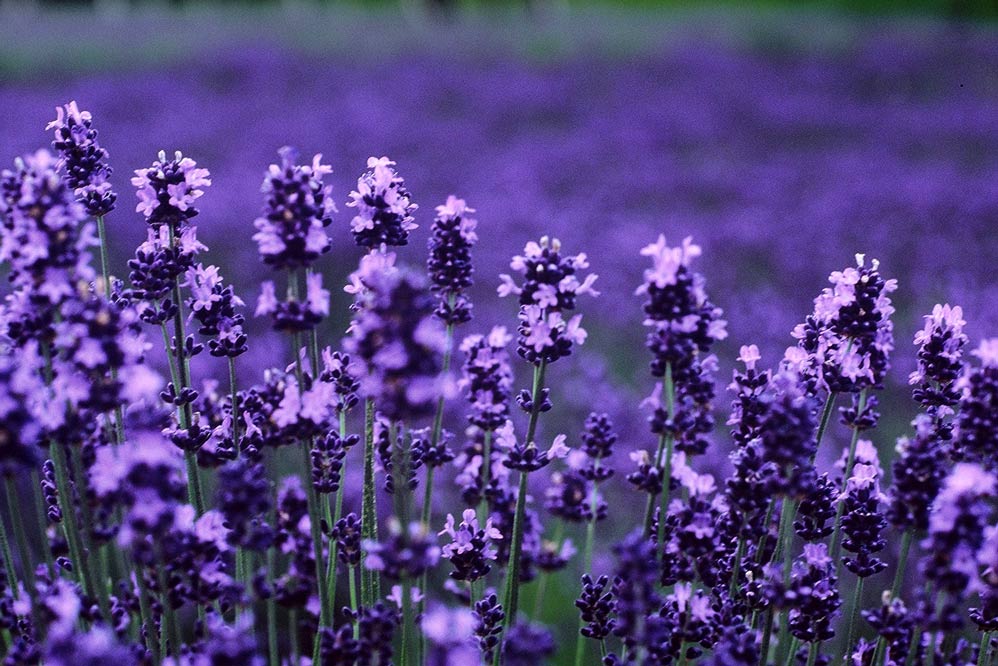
[[210, 518]]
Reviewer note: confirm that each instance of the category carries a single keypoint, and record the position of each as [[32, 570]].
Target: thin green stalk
[[147, 629], [663, 462], [857, 603], [333, 570], [767, 634], [906, 540], [293, 635], [369, 581], [8, 558], [984, 653], [272, 651], [72, 528], [20, 537], [408, 625], [826, 415], [512, 592], [352, 580], [812, 654], [104, 262], [543, 576], [792, 652], [98, 571], [483, 503]]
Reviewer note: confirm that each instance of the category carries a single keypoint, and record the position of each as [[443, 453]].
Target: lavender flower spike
[[82, 159], [297, 208], [168, 189], [449, 264], [384, 207]]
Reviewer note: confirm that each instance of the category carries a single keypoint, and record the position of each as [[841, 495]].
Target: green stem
[[812, 654], [767, 634], [72, 528], [20, 538], [906, 540], [483, 503], [149, 635], [826, 415], [369, 581], [408, 625], [98, 570], [333, 571], [984, 653], [41, 519], [857, 603], [512, 591], [352, 580], [272, 649]]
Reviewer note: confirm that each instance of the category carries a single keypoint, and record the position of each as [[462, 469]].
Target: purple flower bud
[[297, 208], [168, 189], [82, 159], [384, 206]]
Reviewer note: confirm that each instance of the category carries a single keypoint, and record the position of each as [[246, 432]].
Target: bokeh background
[[784, 137]]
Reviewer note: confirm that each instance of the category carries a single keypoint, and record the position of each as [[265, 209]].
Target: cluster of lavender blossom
[[163, 520]]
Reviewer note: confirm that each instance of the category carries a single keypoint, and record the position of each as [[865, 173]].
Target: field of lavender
[[381, 410]]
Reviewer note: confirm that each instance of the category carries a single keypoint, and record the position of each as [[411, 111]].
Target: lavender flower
[[956, 528], [83, 160], [168, 189], [525, 644], [976, 432], [919, 470], [396, 337], [863, 521], [549, 288], [471, 550], [488, 625], [244, 499], [452, 236], [214, 307], [384, 206], [849, 338], [596, 608], [327, 457], [405, 554], [940, 360], [296, 313], [346, 532], [45, 241], [451, 636], [158, 262], [813, 596], [297, 208], [598, 438], [487, 378]]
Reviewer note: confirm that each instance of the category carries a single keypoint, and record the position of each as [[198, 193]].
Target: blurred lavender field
[[782, 153]]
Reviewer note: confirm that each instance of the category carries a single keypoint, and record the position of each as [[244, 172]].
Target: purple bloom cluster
[[384, 206], [83, 160], [201, 530]]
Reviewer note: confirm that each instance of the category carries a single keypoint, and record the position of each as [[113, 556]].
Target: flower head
[[82, 159], [297, 208], [383, 205], [168, 189]]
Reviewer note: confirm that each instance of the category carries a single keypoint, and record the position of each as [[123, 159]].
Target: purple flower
[[549, 288], [82, 159], [940, 360], [919, 470], [526, 645], [168, 189], [396, 337], [297, 208], [451, 636], [449, 264], [214, 307], [487, 378], [383, 204], [812, 595], [346, 532], [863, 520], [595, 607], [956, 528], [470, 550], [44, 242], [405, 554], [849, 337], [489, 617], [975, 437]]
